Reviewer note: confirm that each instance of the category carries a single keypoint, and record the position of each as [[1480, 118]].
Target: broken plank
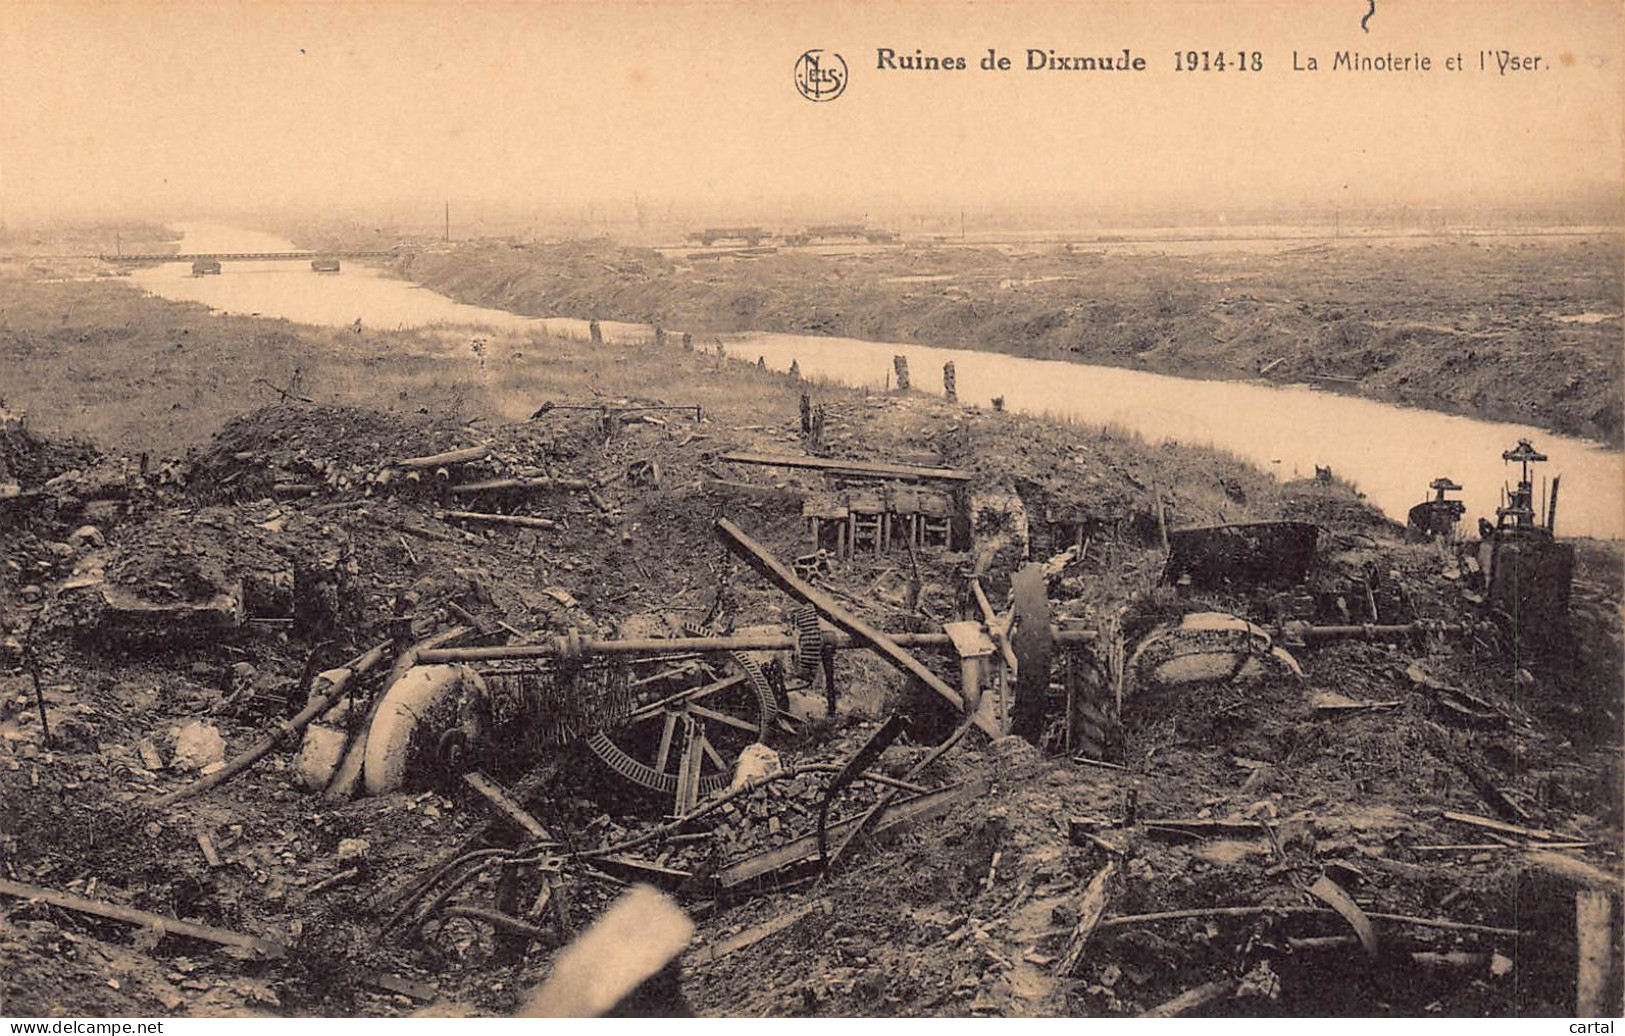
[[1254, 911], [145, 919], [1441, 745], [1095, 898], [1204, 826], [868, 821], [1504, 828], [1355, 706], [392, 983], [632, 869], [1081, 830], [334, 880], [205, 843], [507, 807], [1490, 847], [751, 936], [149, 754], [497, 519], [1193, 998], [522, 483], [774, 571], [872, 469], [1084, 760], [899, 814], [441, 459], [1333, 895]]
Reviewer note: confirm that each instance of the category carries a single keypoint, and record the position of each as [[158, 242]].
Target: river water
[[1390, 452]]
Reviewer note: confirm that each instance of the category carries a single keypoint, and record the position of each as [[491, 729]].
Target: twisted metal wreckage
[[687, 715]]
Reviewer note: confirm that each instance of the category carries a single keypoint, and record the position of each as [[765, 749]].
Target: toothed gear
[[728, 739]]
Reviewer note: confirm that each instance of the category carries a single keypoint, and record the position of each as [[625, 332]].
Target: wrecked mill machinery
[[1527, 570], [676, 713], [672, 714]]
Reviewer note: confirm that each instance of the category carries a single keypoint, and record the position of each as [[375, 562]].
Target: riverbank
[[104, 361], [1522, 330]]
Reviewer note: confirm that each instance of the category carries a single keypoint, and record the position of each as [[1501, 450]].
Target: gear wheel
[[736, 707]]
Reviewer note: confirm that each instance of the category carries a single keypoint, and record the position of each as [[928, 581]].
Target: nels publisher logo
[[820, 75]]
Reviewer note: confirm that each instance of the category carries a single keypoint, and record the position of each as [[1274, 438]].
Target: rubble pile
[[1225, 849], [28, 461], [298, 444]]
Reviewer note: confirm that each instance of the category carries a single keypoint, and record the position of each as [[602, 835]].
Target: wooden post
[[1162, 518], [688, 767], [1090, 913], [970, 681]]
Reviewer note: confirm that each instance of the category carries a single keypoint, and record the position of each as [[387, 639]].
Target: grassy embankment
[[1503, 330], [102, 360]]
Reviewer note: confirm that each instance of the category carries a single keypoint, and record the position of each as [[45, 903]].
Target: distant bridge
[[192, 257]]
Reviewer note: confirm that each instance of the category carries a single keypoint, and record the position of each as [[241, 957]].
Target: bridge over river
[[192, 257]]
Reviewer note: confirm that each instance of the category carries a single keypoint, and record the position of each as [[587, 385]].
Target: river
[[1390, 452]]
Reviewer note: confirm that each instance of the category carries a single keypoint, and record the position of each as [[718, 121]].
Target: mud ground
[[966, 915]]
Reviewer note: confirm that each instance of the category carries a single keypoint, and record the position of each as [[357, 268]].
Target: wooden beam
[[901, 813], [770, 568], [1576, 871], [507, 807], [522, 483], [1090, 913], [1191, 999], [442, 459], [871, 469], [497, 519], [1539, 834], [669, 878], [130, 915], [998, 629], [1254, 911], [751, 936]]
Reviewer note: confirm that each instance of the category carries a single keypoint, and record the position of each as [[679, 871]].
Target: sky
[[186, 109]]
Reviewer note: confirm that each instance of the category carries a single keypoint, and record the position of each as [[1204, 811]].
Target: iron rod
[[658, 645]]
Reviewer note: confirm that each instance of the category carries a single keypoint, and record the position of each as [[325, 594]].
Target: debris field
[[357, 711]]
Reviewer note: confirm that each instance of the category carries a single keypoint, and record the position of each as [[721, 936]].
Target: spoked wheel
[[691, 718]]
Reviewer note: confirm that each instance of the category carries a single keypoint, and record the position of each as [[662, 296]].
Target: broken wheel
[[691, 717]]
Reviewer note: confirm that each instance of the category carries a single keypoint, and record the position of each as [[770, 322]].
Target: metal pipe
[[702, 645], [557, 647], [1304, 632]]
